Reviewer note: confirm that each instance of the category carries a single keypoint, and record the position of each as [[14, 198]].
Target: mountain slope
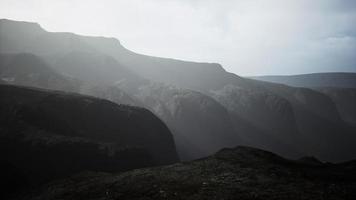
[[321, 130], [50, 134], [337, 86], [29, 70], [68, 53], [200, 125], [345, 100], [239, 173]]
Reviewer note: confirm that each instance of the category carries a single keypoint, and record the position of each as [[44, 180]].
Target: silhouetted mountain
[[315, 80], [287, 120], [239, 173], [46, 134]]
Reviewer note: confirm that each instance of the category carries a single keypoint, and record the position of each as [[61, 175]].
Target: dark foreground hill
[[50, 134], [239, 173]]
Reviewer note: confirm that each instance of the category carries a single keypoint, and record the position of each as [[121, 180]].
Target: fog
[[248, 37]]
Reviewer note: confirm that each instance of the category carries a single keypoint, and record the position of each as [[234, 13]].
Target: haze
[[248, 37]]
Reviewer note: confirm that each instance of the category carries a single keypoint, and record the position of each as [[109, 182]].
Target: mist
[[168, 99], [246, 37]]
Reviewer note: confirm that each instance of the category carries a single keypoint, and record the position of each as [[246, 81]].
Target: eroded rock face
[[239, 173], [50, 134], [200, 125], [345, 100]]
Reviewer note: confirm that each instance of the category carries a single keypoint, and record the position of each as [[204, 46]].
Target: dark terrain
[[50, 134], [239, 173]]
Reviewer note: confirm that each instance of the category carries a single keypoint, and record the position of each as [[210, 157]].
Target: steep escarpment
[[238, 173], [49, 134]]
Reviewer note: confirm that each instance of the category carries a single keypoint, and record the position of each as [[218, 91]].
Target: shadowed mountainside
[[339, 87], [345, 100], [46, 134]]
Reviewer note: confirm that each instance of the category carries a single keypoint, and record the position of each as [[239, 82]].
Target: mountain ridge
[[281, 114]]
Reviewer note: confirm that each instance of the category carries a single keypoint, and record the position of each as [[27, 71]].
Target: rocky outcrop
[[239, 173]]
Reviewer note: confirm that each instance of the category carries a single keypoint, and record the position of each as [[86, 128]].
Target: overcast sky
[[248, 37]]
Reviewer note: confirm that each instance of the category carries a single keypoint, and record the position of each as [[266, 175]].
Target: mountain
[[314, 80], [31, 38], [321, 129], [200, 125], [30, 70], [205, 107], [109, 78], [51, 134], [239, 173], [345, 100], [340, 87]]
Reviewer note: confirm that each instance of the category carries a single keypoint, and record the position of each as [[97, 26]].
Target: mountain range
[[63, 92], [205, 107]]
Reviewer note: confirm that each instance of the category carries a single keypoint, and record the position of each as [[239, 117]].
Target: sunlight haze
[[248, 37]]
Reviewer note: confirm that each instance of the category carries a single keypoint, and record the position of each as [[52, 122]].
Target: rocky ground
[[239, 173]]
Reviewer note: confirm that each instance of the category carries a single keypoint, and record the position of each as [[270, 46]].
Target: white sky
[[248, 37]]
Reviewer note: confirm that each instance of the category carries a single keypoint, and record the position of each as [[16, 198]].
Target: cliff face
[[200, 125], [53, 134]]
